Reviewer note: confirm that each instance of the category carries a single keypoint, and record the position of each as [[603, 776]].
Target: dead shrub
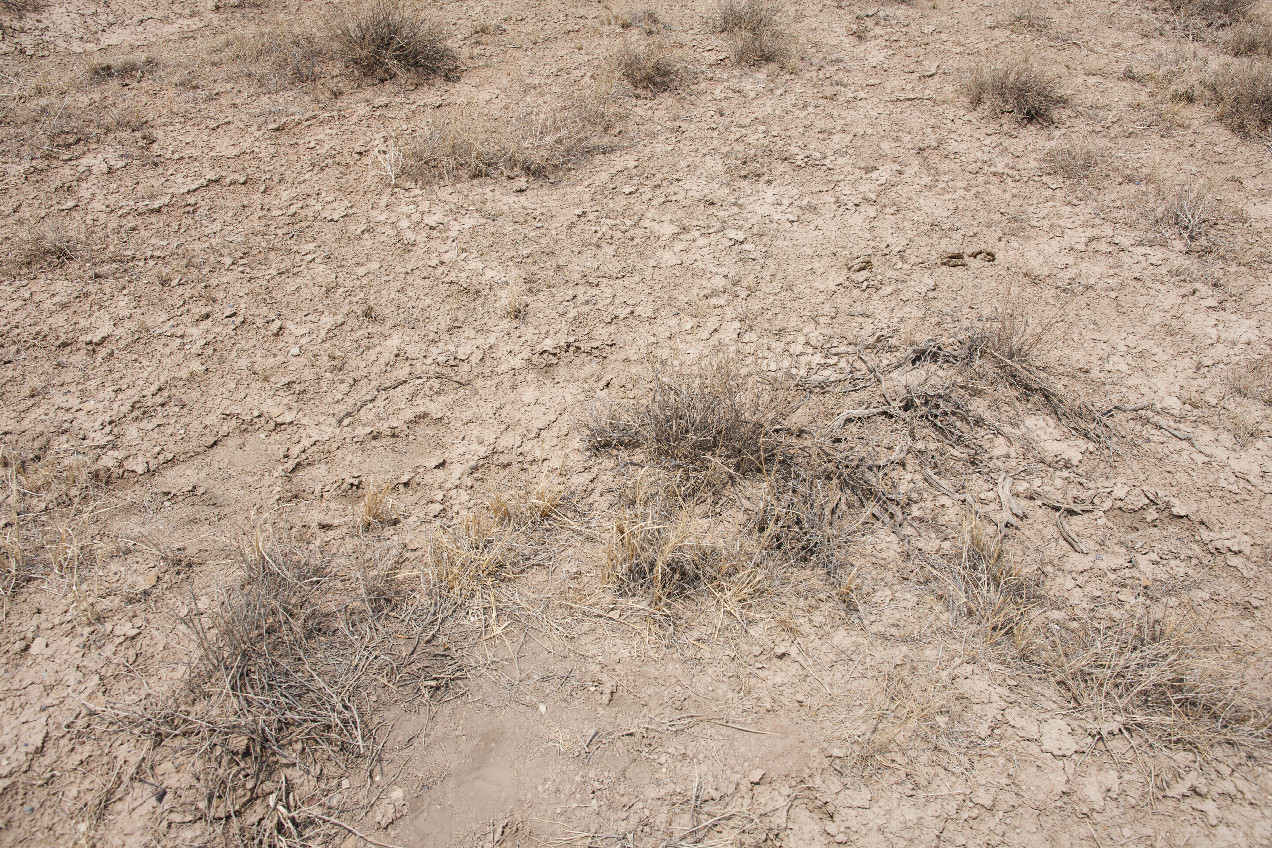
[[1158, 676], [285, 692], [646, 20], [1189, 209], [1213, 12], [1074, 158], [1249, 38], [44, 248], [490, 545], [382, 39], [1031, 14], [648, 69], [129, 69], [1253, 379], [655, 552], [989, 585], [535, 141], [712, 417], [1242, 93], [754, 27], [1017, 88]]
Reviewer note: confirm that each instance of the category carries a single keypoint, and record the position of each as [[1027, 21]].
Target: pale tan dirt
[[256, 328]]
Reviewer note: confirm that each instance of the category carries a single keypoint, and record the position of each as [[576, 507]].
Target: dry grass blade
[[1243, 96], [382, 39], [1159, 677], [1015, 87]]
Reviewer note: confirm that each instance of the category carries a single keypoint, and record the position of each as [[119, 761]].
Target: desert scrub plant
[[1017, 88], [648, 68], [1161, 677], [754, 27], [1242, 93], [988, 584], [535, 140], [1249, 38], [1213, 12], [279, 56], [1188, 210], [291, 669], [1253, 379], [382, 39], [713, 417], [654, 552], [1073, 158]]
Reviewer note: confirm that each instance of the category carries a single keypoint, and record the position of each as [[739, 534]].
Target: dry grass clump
[[1242, 94], [45, 530], [382, 39], [1189, 210], [1249, 38], [1017, 88], [285, 691], [376, 509], [1253, 379], [655, 552], [491, 544], [1031, 14], [714, 417], [989, 585], [648, 69], [1214, 12], [129, 69], [535, 141], [1157, 676], [1010, 344], [526, 509], [1074, 158], [44, 248], [754, 27], [281, 56]]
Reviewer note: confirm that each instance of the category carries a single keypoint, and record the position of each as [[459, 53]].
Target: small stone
[[756, 776], [1057, 739]]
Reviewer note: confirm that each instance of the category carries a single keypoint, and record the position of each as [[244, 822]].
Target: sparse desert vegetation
[[445, 425], [1015, 87]]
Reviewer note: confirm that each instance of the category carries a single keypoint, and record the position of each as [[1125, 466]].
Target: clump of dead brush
[[382, 39], [714, 417], [491, 544], [376, 508], [526, 509], [1213, 12], [129, 69], [290, 671], [1010, 344], [755, 30], [646, 20], [655, 552], [1074, 158], [648, 69], [1015, 87], [1189, 210], [18, 7], [42, 248], [1249, 38], [50, 499], [1242, 93], [988, 585], [1157, 676], [534, 141], [1253, 379]]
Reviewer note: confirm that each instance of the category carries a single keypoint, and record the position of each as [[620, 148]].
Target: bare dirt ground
[[337, 508]]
